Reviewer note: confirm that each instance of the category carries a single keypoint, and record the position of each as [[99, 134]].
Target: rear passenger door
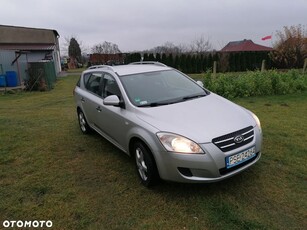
[[92, 97]]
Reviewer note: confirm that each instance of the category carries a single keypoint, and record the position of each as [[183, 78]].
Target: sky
[[136, 25]]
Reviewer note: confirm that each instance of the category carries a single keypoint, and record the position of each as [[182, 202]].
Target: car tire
[[145, 165], [85, 128]]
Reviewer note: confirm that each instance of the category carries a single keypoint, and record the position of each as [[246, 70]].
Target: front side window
[[160, 88], [86, 77], [110, 87], [93, 82]]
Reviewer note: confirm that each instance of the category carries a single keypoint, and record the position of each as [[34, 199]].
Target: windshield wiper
[[154, 104], [193, 96]]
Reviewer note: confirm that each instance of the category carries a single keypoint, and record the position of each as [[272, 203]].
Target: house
[[108, 59], [244, 55], [21, 46], [244, 45]]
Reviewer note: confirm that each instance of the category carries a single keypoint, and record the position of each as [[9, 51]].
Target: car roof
[[135, 69], [123, 70]]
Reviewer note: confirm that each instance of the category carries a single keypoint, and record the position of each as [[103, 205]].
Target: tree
[[74, 50], [106, 48], [238, 62], [188, 64], [183, 63], [243, 61], [200, 45], [158, 57], [170, 60], [193, 68], [290, 50], [224, 61], [205, 62], [164, 59], [232, 62], [151, 57], [177, 62], [167, 48], [145, 57], [136, 57], [210, 61]]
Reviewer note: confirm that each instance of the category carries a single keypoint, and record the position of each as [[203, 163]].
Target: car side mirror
[[114, 101], [200, 83]]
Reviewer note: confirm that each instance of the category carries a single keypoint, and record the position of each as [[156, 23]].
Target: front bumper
[[208, 167]]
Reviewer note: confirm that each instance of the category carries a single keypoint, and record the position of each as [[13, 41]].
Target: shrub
[[255, 83], [290, 49]]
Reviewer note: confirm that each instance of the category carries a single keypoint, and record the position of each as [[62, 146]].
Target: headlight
[[179, 144], [257, 121]]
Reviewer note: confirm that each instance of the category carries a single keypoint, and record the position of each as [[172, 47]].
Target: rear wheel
[[145, 165], [85, 128]]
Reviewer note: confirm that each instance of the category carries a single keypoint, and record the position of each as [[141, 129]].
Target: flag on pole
[[266, 38]]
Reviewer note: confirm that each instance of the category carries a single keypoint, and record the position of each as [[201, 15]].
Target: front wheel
[[145, 165]]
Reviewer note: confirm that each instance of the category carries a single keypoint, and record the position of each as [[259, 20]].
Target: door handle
[[82, 100], [98, 109]]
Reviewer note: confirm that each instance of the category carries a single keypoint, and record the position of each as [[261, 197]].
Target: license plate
[[239, 158]]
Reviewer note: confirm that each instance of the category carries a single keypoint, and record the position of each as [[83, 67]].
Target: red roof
[[244, 45]]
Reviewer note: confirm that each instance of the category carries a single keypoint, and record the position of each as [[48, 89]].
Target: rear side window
[[93, 82]]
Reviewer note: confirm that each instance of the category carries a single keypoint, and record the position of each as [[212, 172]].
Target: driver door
[[112, 122]]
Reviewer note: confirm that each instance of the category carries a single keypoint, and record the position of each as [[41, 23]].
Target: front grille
[[227, 142]]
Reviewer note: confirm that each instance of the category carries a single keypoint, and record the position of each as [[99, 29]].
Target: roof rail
[[148, 63], [101, 66]]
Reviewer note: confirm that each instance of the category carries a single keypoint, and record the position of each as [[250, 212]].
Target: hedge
[[198, 63], [255, 83]]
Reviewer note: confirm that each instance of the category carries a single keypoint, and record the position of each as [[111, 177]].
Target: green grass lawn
[[77, 70], [50, 171]]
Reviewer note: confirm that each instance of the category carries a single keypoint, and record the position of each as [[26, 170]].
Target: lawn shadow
[[231, 185]]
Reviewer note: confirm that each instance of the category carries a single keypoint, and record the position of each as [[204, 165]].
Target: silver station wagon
[[172, 126]]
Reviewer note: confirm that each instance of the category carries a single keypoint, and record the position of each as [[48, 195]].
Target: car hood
[[200, 119]]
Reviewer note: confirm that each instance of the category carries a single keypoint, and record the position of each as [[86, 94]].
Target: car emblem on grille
[[238, 139]]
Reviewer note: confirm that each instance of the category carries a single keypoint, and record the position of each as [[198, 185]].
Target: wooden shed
[[21, 46]]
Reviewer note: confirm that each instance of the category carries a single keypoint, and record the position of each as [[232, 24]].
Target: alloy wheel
[[141, 164]]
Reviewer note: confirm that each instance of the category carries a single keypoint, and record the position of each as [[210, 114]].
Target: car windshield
[[160, 88]]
